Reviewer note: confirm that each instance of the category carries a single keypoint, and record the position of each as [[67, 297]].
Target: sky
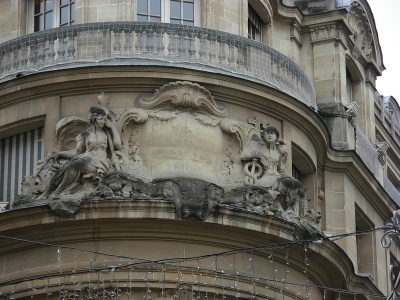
[[386, 14]]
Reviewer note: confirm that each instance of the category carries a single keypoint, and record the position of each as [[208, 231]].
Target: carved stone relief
[[362, 33], [180, 146]]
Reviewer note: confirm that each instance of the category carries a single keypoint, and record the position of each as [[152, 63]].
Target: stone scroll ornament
[[103, 158]]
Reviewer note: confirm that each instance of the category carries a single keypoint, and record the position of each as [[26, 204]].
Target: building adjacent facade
[[195, 149]]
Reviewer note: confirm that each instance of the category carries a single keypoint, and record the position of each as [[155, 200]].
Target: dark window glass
[[175, 21], [188, 10], [254, 25], [38, 23], [48, 20], [49, 5], [155, 7], [191, 23], [72, 12], [155, 19], [142, 6], [175, 11], [141, 18], [39, 6], [64, 14]]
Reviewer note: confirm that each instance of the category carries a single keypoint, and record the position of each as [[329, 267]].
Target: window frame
[[254, 21], [56, 16], [165, 12]]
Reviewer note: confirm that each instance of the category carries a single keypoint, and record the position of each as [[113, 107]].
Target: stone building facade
[[194, 149]]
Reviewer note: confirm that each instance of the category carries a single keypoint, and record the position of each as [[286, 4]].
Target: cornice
[[155, 220]]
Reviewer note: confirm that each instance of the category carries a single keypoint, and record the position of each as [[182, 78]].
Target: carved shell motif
[[184, 94], [362, 33]]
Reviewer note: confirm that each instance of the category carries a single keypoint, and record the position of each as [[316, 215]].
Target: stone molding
[[329, 32]]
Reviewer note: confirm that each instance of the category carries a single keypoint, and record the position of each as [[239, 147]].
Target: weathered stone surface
[[181, 147], [65, 205]]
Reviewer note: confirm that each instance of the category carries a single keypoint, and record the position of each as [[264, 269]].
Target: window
[[254, 25], [167, 11], [18, 158], [349, 86], [295, 172], [52, 13], [366, 256]]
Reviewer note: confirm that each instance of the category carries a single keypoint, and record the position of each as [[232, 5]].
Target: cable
[[169, 262]]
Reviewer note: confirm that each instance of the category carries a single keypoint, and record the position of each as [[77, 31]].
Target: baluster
[[149, 42], [71, 48], [6, 62], [40, 53], [222, 54], [122, 41], [31, 55], [233, 55], [176, 45], [117, 43], [46, 49], [14, 59], [204, 47], [128, 43], [240, 57], [161, 49], [57, 49], [154, 43], [144, 42], [65, 47], [171, 43], [2, 63], [22, 58], [214, 51], [53, 50], [186, 46], [192, 48], [138, 40]]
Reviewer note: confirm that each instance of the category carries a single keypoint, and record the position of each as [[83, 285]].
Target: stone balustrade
[[154, 44]]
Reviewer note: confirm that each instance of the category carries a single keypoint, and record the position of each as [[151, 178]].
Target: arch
[[263, 8], [365, 34]]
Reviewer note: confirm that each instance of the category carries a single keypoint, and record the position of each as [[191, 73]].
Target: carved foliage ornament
[[362, 33]]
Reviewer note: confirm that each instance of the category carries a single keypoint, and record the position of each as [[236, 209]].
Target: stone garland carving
[[362, 33], [104, 166]]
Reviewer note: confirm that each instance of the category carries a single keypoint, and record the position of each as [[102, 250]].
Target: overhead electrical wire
[[171, 262]]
